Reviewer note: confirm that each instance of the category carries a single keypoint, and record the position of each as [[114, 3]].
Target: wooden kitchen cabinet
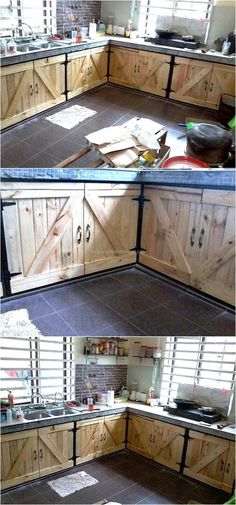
[[201, 83], [189, 235], [210, 460], [19, 457], [99, 436], [55, 448], [110, 217], [29, 454], [86, 70], [28, 88], [53, 234], [159, 441], [141, 70]]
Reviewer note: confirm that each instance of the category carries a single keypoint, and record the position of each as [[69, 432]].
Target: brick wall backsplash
[[76, 13], [101, 376]]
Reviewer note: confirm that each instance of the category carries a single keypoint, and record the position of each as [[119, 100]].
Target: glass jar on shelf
[[120, 351], [136, 348], [143, 351], [149, 352]]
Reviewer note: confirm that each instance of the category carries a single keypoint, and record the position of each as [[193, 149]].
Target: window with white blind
[[34, 365], [40, 15], [203, 361], [182, 16]]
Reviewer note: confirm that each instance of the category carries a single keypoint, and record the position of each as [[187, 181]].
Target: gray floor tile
[[134, 278], [161, 291], [35, 305], [67, 296], [122, 329], [129, 302], [103, 286], [199, 311], [54, 325], [223, 325], [161, 321]]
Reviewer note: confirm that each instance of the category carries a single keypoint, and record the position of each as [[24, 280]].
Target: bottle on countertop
[[128, 28], [11, 46], [10, 399], [110, 397], [9, 415], [3, 47], [19, 415]]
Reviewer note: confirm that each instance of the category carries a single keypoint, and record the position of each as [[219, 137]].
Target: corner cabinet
[[141, 70], [211, 460], [157, 440], [189, 235], [86, 70], [33, 453], [56, 232], [100, 436], [201, 82], [31, 87]]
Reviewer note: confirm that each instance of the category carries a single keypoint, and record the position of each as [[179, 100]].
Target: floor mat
[[72, 483], [16, 323], [70, 117]]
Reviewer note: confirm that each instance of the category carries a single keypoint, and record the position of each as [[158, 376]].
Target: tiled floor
[[123, 478], [127, 302], [39, 143]]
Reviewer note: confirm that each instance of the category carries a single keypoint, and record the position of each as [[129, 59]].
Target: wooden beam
[[211, 265]]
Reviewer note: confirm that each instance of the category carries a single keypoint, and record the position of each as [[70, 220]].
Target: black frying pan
[[165, 34], [185, 404]]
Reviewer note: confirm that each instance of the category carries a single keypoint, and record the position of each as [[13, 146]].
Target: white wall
[[222, 22]]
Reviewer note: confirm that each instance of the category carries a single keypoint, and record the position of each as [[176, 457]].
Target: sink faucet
[[38, 395], [30, 27], [62, 399]]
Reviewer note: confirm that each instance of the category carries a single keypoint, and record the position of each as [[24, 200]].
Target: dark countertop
[[209, 179], [132, 407], [138, 43]]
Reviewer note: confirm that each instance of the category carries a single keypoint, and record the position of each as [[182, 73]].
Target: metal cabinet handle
[[150, 438], [36, 88], [154, 439], [35, 455], [101, 437], [200, 241], [31, 90], [88, 233], [135, 67], [138, 69], [79, 234], [206, 84], [192, 237], [211, 87], [41, 453], [228, 467], [104, 436], [221, 465]]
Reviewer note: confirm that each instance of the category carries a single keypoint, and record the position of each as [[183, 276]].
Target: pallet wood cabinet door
[[124, 67], [98, 62], [55, 448], [153, 72], [89, 440], [206, 458], [110, 225], [17, 93], [191, 81], [78, 75], [229, 473], [44, 234], [140, 435], [165, 230], [49, 82], [222, 82], [114, 430], [19, 458], [167, 444], [213, 266]]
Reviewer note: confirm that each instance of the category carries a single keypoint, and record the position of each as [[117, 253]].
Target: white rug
[[16, 323], [72, 483], [68, 118]]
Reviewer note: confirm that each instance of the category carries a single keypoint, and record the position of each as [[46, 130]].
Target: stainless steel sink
[[35, 415], [61, 411]]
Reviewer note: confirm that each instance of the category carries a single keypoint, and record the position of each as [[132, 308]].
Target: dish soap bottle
[[128, 28]]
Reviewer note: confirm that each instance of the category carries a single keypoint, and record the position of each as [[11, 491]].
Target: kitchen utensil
[[209, 142], [184, 162], [185, 404]]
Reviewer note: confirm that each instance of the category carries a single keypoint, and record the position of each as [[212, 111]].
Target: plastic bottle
[[128, 28], [3, 47], [19, 415], [9, 415], [11, 46], [10, 399]]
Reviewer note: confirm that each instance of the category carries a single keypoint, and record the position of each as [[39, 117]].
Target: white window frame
[[38, 358], [151, 9], [23, 13], [202, 374]]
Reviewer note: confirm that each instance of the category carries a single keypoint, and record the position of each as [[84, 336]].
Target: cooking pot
[[209, 142], [185, 404], [165, 34]]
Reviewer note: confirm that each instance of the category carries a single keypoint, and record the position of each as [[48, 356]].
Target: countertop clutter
[[56, 48], [100, 410]]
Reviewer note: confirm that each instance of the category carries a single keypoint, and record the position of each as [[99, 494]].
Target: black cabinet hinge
[[141, 199], [138, 249], [64, 63], [13, 274], [7, 204]]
